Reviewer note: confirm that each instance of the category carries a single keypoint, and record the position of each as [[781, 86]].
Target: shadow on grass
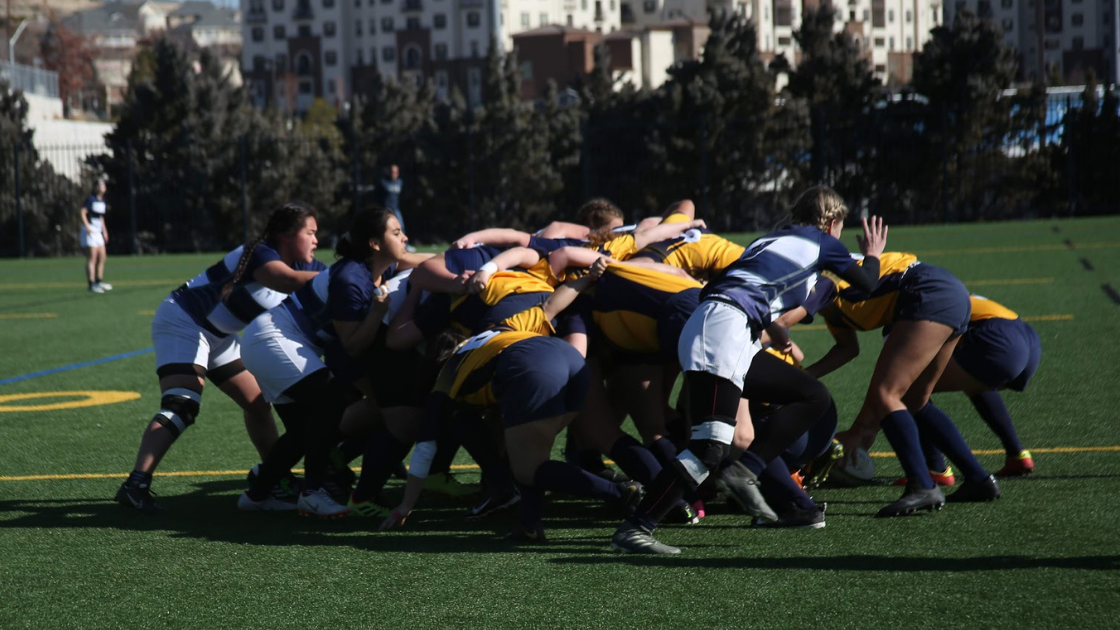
[[859, 563], [210, 513]]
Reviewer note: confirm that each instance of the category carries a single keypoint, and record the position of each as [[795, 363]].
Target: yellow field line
[[28, 315], [235, 473], [145, 312], [79, 285], [1009, 281], [1016, 249]]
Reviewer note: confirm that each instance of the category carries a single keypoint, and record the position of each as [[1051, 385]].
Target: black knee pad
[[178, 409]]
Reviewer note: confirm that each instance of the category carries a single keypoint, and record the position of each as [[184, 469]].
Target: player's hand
[[395, 519], [463, 243], [779, 337], [477, 282], [874, 239], [380, 299], [598, 268], [854, 439], [697, 224]]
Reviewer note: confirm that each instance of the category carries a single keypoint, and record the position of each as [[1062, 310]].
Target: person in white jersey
[[93, 236]]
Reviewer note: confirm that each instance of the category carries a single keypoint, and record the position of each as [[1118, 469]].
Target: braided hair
[[287, 220], [370, 223]]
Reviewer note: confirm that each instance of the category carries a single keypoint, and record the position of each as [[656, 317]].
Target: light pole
[[12, 41]]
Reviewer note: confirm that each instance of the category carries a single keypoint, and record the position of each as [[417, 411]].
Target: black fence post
[[19, 202], [944, 164], [1071, 130], [355, 171], [471, 210], [242, 158], [702, 143], [585, 158], [816, 125], [131, 198]]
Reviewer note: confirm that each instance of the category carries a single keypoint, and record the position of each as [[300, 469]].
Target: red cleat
[[1017, 465], [944, 478]]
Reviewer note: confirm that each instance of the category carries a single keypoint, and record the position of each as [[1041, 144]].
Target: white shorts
[[178, 339], [717, 340], [90, 239], [278, 354]]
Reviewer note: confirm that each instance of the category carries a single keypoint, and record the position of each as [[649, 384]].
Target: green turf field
[[1046, 555]]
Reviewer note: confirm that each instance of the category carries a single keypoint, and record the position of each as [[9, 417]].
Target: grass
[[1043, 556]]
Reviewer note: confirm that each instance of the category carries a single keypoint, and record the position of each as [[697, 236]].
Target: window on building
[[1076, 19], [328, 29], [281, 63], [258, 63], [412, 23], [358, 27], [441, 80], [257, 34], [909, 16], [526, 70], [439, 21], [878, 18], [474, 18], [612, 5], [649, 6], [1078, 43], [441, 52], [303, 64], [892, 44], [583, 5], [372, 26], [984, 8], [278, 32], [880, 42], [1008, 25], [332, 87], [474, 49], [525, 19], [570, 21], [784, 41], [328, 4], [388, 54], [304, 30], [330, 58], [544, 19], [358, 57], [277, 5], [306, 87], [880, 68], [1007, 4], [890, 16], [386, 25], [412, 58]]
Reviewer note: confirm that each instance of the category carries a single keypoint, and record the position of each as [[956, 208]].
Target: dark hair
[[287, 220], [370, 223]]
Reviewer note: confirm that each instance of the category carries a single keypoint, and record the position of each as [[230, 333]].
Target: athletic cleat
[[796, 518], [447, 485], [818, 470], [976, 491], [401, 472], [96, 288], [632, 493], [339, 483], [630, 538], [682, 513], [368, 509], [1017, 465], [270, 504], [319, 503], [611, 475], [289, 486], [105, 285], [698, 510], [522, 535], [138, 497], [914, 499], [741, 486], [492, 502], [944, 479]]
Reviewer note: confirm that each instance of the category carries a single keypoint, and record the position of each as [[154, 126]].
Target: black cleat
[[522, 535], [914, 499], [492, 502], [289, 487], [976, 491], [138, 497], [796, 518], [817, 471], [630, 538], [741, 486], [632, 493]]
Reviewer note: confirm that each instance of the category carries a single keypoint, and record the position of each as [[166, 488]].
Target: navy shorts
[[538, 378], [459, 260], [669, 325], [1001, 353], [931, 294]]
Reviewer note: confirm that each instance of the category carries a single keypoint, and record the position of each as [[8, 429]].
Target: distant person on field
[[94, 236], [389, 194]]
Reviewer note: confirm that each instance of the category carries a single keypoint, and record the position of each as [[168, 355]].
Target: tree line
[[194, 166]]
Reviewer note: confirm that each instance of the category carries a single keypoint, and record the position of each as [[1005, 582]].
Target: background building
[[1055, 38]]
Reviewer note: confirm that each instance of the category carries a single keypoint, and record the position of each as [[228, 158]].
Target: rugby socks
[[137, 479], [902, 433], [664, 450], [446, 449], [472, 433], [563, 477], [753, 462], [635, 460], [993, 411], [532, 506], [662, 495], [383, 453], [779, 488], [935, 459], [936, 427]]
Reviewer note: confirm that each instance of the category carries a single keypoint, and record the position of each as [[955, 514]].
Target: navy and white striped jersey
[[777, 271], [95, 212], [343, 293], [201, 296]]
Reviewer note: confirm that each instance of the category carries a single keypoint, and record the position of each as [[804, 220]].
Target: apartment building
[[1055, 37], [297, 50]]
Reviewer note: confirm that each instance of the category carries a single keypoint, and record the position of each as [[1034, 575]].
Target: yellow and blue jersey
[[854, 310], [467, 375], [628, 302], [699, 252], [983, 309]]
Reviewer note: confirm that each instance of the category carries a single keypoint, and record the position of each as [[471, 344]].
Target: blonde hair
[[819, 207]]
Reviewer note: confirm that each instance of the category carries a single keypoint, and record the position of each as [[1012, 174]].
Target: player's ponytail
[[287, 220], [369, 224]]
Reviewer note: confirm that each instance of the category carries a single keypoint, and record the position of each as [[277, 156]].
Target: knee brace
[[708, 447], [178, 409]]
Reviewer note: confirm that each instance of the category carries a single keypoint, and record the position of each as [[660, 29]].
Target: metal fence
[[896, 160], [30, 79]]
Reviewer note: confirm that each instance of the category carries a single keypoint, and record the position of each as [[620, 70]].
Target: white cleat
[[319, 503], [271, 504]]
